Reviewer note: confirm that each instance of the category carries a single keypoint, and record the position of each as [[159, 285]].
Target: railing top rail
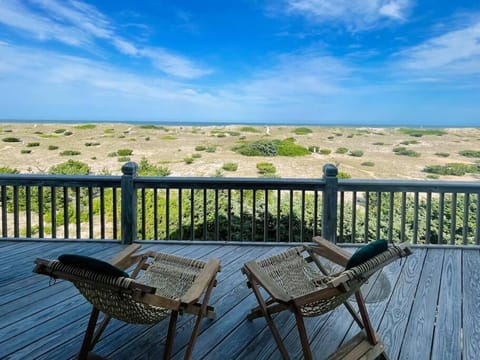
[[59, 180], [383, 185], [229, 183]]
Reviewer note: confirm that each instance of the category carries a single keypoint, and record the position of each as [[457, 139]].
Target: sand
[[170, 146]]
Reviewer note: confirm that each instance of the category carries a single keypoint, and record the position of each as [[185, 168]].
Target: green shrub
[[92, 144], [85, 126], [68, 133], [230, 166], [33, 144], [356, 153], [188, 160], [200, 148], [70, 167], [147, 169], [442, 154], [123, 158], [112, 154], [266, 168], [302, 131], [285, 147], [48, 136], [331, 137], [221, 135], [150, 127], [59, 131], [108, 131], [368, 163], [124, 152], [325, 151], [405, 152], [422, 132], [344, 175], [52, 147], [455, 169], [379, 143], [70, 153], [8, 170], [341, 150], [196, 156], [169, 137], [211, 149], [313, 149], [233, 133], [470, 153], [433, 176], [25, 151], [11, 139], [249, 129], [410, 142]]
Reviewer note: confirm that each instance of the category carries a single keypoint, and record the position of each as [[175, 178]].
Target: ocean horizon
[[231, 123]]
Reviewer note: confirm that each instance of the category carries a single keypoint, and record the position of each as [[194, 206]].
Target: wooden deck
[[425, 307]]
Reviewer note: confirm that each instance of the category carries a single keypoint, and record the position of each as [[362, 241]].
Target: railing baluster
[[204, 214], [290, 218], [114, 215], [77, 213], [342, 217], [53, 210], [16, 220], [180, 214], [367, 217], [90, 213], [192, 214], [302, 219], [167, 213], [65, 213], [390, 216], [441, 214], [379, 214], [41, 233], [279, 209], [428, 219], [217, 229], [466, 208], [4, 212], [28, 209], [477, 222], [403, 217], [415, 218], [229, 214], [354, 217], [155, 214], [453, 226], [102, 213], [143, 208], [265, 223], [315, 213], [241, 214], [254, 213]]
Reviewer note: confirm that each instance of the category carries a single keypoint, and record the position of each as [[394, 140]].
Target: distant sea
[[248, 123]]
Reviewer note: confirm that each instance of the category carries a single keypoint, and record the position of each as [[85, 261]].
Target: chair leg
[[307, 352], [171, 335], [100, 330], [365, 318], [202, 313], [87, 339], [268, 318]]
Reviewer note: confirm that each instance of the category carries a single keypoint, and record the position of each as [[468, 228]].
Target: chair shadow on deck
[[167, 286], [298, 281]]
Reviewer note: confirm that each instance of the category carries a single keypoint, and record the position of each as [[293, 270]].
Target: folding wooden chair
[[296, 280], [168, 285]]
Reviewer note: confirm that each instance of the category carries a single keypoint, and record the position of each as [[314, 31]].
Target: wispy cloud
[[454, 53], [355, 15], [81, 25]]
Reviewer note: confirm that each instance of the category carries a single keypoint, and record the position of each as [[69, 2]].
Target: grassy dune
[[392, 153]]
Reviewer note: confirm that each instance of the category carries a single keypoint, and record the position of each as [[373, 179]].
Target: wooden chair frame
[[188, 303], [365, 344]]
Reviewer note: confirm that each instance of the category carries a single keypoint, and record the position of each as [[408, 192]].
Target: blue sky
[[358, 62]]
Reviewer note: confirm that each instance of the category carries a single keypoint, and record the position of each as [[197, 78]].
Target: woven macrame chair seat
[[171, 275], [297, 277]]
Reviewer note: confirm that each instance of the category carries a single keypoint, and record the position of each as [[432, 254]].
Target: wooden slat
[[471, 304]]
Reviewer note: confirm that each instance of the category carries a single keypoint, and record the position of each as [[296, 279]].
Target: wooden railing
[[131, 207]]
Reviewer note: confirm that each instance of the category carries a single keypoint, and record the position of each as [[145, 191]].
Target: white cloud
[[356, 15], [454, 53], [81, 25]]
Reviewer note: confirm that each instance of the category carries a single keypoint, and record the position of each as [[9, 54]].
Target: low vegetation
[[33, 144], [70, 153], [124, 152], [405, 152], [356, 153], [302, 131], [147, 169], [455, 169], [470, 153], [230, 166], [341, 150], [85, 126], [422, 132], [269, 148], [70, 167], [11, 139], [250, 129], [266, 168]]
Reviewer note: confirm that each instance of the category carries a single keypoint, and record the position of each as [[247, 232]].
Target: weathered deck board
[[416, 306]]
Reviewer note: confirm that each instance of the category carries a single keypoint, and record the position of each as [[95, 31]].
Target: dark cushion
[[88, 263], [366, 252]]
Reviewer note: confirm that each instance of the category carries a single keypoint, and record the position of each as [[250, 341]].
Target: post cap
[[130, 168], [330, 170]]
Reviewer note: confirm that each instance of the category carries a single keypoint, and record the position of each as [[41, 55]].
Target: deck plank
[[448, 333], [471, 304]]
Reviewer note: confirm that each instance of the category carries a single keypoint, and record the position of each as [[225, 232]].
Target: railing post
[[329, 209], [129, 203]]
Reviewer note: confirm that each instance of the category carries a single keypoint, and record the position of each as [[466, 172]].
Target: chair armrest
[[251, 269], [125, 259], [202, 281], [330, 251]]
